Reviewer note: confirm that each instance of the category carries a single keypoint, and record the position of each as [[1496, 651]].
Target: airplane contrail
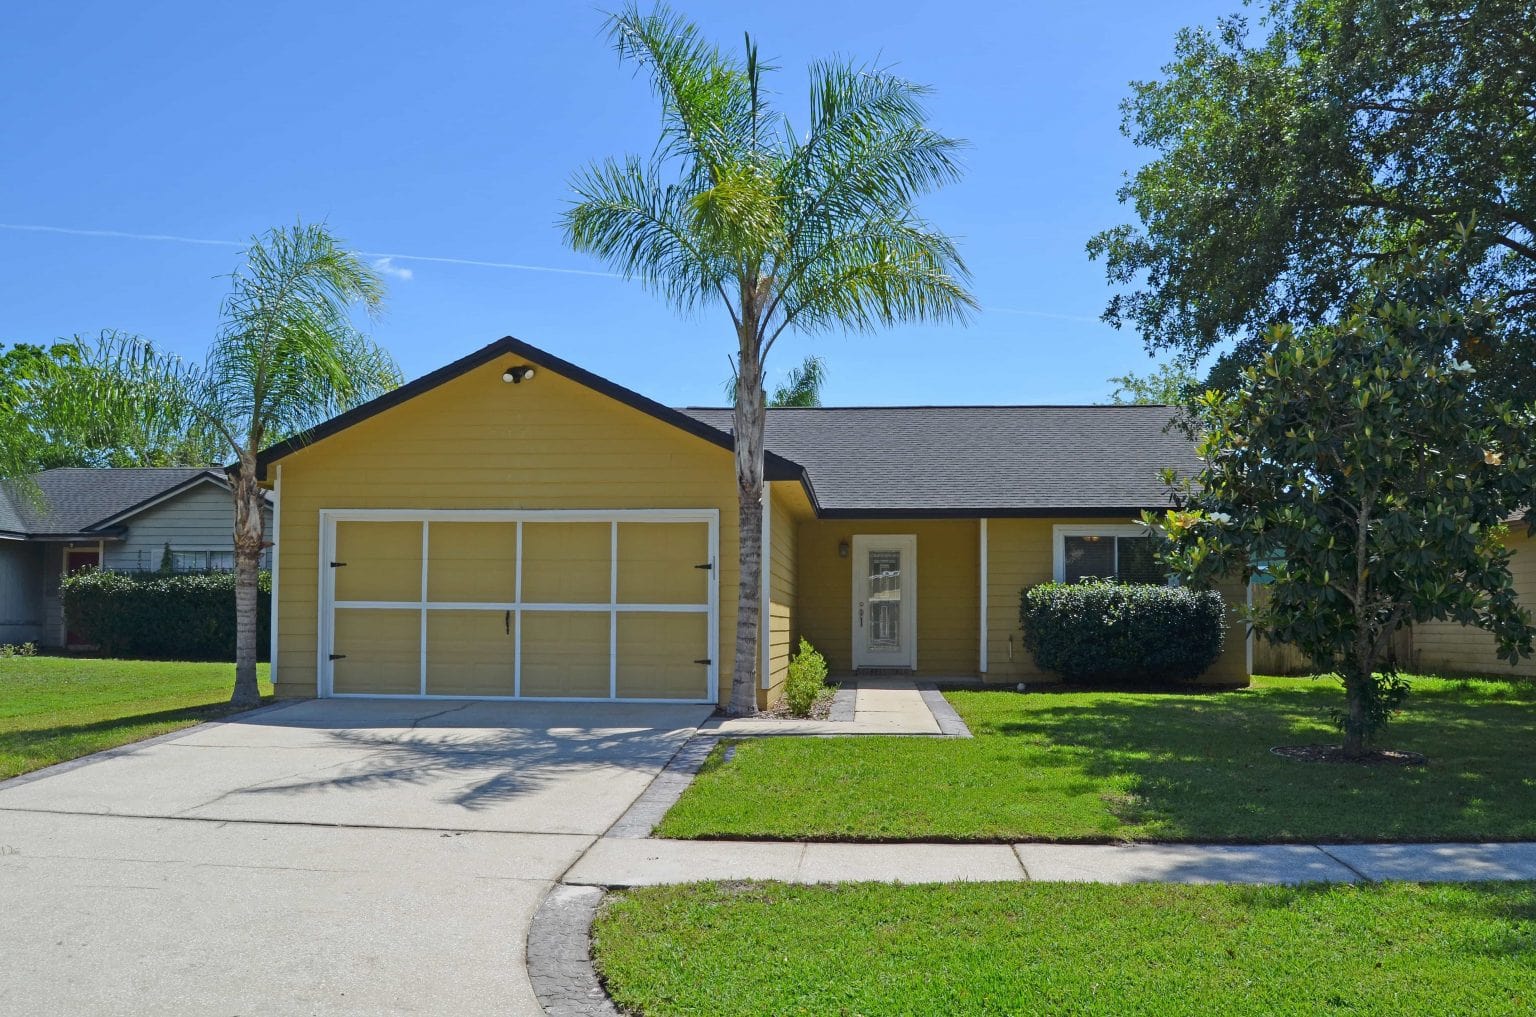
[[121, 235]]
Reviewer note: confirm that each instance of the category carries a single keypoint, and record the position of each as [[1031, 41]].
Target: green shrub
[[8, 650], [807, 681], [1108, 631], [152, 616]]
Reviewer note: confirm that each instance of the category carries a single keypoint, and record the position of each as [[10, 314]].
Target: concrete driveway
[[329, 857]]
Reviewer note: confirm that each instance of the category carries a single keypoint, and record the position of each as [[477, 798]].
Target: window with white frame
[[1123, 552]]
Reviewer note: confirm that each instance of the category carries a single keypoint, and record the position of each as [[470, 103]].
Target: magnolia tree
[[1363, 467]]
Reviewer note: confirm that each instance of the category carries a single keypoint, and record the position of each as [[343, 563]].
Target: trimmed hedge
[[1130, 632], [154, 616]]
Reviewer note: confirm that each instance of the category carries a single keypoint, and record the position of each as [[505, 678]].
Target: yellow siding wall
[[1458, 649], [476, 442], [948, 590], [1019, 555], [783, 558]]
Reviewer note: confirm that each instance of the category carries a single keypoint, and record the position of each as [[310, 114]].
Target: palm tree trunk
[[748, 429], [249, 537]]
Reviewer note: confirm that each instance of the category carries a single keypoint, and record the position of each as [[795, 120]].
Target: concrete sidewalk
[[883, 706], [611, 862]]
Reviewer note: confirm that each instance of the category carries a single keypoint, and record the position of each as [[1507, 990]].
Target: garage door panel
[[567, 563], [658, 563], [382, 561], [380, 652], [565, 654], [471, 653], [472, 562], [657, 654]]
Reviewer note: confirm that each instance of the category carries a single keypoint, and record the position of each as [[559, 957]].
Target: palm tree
[[801, 387], [815, 232], [287, 356]]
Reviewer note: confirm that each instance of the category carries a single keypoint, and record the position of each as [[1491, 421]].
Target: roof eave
[[510, 346], [969, 512]]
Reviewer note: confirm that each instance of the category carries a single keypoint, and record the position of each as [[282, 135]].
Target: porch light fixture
[[517, 375], [842, 548]]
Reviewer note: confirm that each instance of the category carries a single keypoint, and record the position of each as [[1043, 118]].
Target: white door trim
[[324, 645], [907, 542]]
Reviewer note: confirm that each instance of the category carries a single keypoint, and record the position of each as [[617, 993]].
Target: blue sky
[[451, 130]]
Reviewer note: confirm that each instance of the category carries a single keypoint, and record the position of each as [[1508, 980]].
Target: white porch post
[[983, 570], [273, 556], [763, 628]]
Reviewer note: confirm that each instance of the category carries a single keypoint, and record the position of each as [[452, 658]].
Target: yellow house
[[514, 526]]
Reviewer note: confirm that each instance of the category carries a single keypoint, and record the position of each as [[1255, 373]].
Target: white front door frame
[[906, 543], [324, 646]]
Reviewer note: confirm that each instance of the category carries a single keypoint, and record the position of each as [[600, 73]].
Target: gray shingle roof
[[68, 501], [996, 460]]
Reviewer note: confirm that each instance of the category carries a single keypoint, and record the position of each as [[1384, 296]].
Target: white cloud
[[387, 266]]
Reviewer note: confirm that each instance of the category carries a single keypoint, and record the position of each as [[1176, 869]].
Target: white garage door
[[569, 605]]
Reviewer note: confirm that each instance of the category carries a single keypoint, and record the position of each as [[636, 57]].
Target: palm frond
[[802, 388], [289, 353], [706, 96], [645, 230], [887, 272]]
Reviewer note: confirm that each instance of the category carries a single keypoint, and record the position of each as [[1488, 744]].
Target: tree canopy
[[109, 400], [1171, 383], [1353, 469], [1287, 163]]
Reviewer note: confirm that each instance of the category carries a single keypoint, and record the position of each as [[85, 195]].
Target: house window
[[202, 561], [1120, 552]]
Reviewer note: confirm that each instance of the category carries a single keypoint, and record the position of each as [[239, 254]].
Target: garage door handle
[[338, 656], [706, 660], [706, 566], [338, 564]]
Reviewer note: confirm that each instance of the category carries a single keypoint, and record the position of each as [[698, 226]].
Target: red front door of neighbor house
[[75, 559]]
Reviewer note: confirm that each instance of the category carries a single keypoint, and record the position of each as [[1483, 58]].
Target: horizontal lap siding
[[1019, 555], [201, 518], [948, 590], [1461, 649], [782, 596], [21, 592], [479, 443]]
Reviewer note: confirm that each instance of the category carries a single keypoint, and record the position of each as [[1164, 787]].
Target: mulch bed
[[1335, 754]]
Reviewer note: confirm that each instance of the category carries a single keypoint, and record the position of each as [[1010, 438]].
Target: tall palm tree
[[815, 231], [287, 356]]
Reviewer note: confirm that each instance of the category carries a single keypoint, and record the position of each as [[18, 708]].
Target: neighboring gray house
[[68, 519]]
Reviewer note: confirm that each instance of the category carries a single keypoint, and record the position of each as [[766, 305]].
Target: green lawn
[[1064, 948], [58, 708], [1101, 766]]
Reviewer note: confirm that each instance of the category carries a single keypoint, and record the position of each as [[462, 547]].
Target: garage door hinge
[[706, 660], [338, 656], [338, 564], [706, 566]]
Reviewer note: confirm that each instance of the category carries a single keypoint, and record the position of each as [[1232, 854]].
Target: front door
[[885, 601], [75, 559]]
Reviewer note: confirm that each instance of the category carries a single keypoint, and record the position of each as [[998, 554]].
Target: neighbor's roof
[[69, 501], [897, 460], [978, 460]]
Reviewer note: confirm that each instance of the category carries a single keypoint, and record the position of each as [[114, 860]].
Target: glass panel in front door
[[882, 633]]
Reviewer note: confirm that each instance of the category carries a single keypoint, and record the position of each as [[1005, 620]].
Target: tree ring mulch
[[1335, 754]]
